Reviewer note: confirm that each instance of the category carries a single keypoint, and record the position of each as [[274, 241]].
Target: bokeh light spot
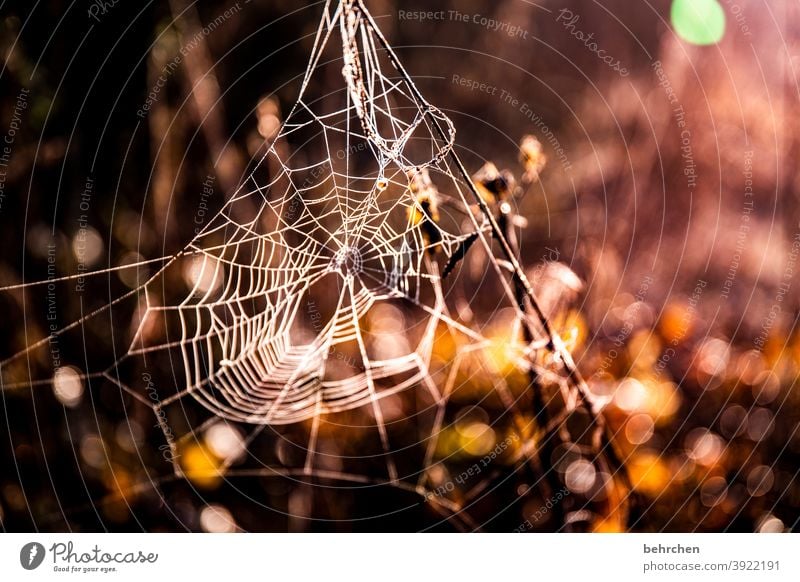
[[700, 22]]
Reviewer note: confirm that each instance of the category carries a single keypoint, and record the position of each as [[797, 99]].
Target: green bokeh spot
[[698, 21]]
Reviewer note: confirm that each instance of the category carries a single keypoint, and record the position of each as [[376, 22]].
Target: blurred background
[[668, 215]]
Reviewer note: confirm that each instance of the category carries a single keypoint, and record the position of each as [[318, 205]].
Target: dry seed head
[[532, 157], [424, 210], [493, 184], [419, 181], [424, 213], [425, 196]]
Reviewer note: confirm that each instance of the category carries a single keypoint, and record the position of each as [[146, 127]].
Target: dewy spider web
[[318, 309]]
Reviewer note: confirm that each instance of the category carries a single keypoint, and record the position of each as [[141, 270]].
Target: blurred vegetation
[[662, 235]]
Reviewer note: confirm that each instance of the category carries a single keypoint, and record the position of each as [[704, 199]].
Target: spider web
[[318, 328]]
